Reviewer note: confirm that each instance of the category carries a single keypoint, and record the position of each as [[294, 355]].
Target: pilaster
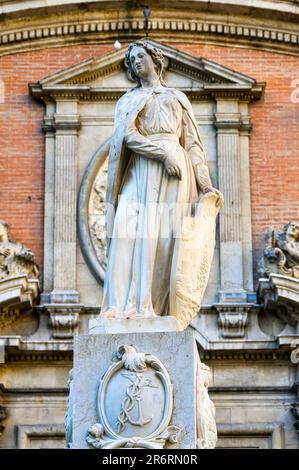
[[66, 123], [228, 123], [49, 131]]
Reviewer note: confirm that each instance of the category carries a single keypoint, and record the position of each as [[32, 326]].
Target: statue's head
[[143, 58], [292, 230], [4, 231]]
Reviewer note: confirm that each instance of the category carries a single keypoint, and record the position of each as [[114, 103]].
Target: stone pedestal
[[157, 324], [135, 390]]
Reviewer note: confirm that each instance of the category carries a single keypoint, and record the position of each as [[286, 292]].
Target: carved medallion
[[96, 214], [91, 212], [134, 404]]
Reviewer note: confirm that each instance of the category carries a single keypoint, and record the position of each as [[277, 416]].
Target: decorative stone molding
[[3, 415], [295, 353], [212, 80], [133, 372], [27, 356], [270, 8], [104, 26], [65, 355], [26, 433], [295, 412], [248, 355], [64, 320], [275, 431], [17, 294], [17, 349], [233, 319], [280, 295]]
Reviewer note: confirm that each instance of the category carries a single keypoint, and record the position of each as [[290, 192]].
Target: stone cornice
[[206, 356], [102, 24], [287, 9], [32, 391], [244, 355], [26, 356], [86, 93]]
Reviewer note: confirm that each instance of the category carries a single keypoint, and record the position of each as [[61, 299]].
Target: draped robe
[[143, 199]]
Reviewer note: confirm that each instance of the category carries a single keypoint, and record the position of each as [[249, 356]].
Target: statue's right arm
[[140, 145]]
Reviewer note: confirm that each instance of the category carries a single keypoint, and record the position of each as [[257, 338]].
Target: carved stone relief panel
[[131, 389]]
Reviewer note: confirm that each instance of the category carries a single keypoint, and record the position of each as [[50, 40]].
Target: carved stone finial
[[15, 258], [281, 255]]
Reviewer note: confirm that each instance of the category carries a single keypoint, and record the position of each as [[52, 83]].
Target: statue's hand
[[210, 189], [5, 252], [173, 167]]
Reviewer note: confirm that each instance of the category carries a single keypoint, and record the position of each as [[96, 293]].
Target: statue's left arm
[[193, 145]]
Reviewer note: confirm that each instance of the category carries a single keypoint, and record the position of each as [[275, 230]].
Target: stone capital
[[228, 121], [67, 123]]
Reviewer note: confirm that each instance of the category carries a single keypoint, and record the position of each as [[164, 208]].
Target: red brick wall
[[22, 139], [274, 146]]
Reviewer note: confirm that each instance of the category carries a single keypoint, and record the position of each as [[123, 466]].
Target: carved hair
[[5, 225], [290, 227], [156, 55]]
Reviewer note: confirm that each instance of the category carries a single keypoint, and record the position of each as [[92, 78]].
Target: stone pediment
[[105, 78]]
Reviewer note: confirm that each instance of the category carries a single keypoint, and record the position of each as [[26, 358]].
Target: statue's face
[[293, 231], [141, 62]]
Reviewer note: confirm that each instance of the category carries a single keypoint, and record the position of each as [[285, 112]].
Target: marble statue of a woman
[[157, 164]]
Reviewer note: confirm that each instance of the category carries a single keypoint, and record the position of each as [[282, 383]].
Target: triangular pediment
[[107, 74]]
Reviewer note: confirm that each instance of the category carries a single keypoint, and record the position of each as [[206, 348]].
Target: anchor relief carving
[[133, 400], [124, 410]]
